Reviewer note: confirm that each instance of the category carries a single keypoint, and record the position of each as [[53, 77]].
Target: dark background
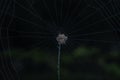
[[28, 31]]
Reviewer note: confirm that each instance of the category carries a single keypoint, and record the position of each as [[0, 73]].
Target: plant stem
[[58, 65]]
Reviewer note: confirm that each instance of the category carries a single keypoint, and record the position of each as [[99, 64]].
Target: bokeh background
[[28, 47]]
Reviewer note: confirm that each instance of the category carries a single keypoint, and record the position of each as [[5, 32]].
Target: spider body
[[61, 38]]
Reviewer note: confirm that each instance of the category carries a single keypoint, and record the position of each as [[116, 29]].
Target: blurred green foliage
[[84, 63]]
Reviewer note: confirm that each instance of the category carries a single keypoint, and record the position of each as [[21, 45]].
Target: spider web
[[29, 24]]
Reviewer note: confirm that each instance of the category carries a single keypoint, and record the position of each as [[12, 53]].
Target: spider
[[61, 38]]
